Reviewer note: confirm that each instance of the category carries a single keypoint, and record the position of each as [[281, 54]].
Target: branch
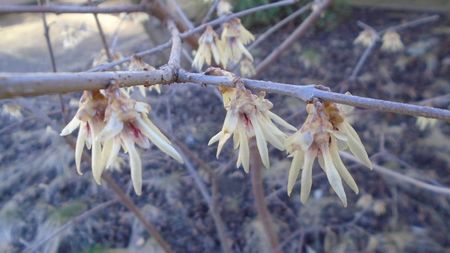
[[300, 31], [35, 84], [102, 36], [175, 52], [260, 201], [58, 9], [197, 29]]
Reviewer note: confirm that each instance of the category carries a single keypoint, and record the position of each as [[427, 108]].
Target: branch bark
[[59, 9], [35, 84]]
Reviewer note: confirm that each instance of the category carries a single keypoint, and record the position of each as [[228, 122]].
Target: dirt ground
[[40, 190]]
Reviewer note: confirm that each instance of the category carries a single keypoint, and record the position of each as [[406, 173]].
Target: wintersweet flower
[[207, 49], [224, 8], [127, 124], [366, 38], [138, 64], [233, 40], [248, 116], [246, 68], [392, 42], [324, 132], [90, 121]]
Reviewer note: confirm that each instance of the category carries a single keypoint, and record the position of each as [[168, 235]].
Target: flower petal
[[296, 165], [345, 174], [71, 126], [81, 139], [280, 121], [158, 139], [135, 165], [306, 180], [260, 141], [333, 176], [244, 150], [112, 128], [355, 145]]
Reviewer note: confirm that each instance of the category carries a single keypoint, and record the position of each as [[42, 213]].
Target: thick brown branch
[[300, 31], [71, 9]]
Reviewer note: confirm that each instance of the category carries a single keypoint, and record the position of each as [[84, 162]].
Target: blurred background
[[46, 207]]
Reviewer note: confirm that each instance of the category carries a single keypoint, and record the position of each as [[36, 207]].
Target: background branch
[[59, 9]]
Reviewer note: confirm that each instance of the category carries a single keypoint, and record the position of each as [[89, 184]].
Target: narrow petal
[[142, 90], [306, 180], [236, 139], [270, 136], [116, 143], [215, 138], [345, 174], [296, 165], [333, 176], [154, 128], [106, 151], [280, 121], [81, 139], [244, 151], [223, 139], [135, 166], [96, 162], [158, 140], [71, 126], [260, 141], [356, 146]]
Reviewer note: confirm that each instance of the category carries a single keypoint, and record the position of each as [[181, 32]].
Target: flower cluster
[[110, 121], [249, 116], [366, 38], [229, 48], [323, 134], [392, 42]]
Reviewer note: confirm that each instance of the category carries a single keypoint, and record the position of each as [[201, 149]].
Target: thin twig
[[153, 231], [52, 58], [402, 178], [280, 24], [260, 201], [68, 224], [296, 34], [59, 9], [175, 52], [211, 9], [102, 36]]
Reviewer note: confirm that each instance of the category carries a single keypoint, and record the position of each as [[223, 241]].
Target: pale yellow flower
[[423, 123], [366, 38], [90, 121], [207, 49], [248, 116], [127, 124], [233, 40], [392, 42], [224, 8], [13, 110], [246, 68], [138, 64], [324, 132]]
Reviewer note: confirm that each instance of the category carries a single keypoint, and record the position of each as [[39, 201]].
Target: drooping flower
[[223, 8], [207, 49], [127, 124], [138, 64], [13, 110], [248, 116], [233, 40], [90, 121], [324, 132], [366, 38], [246, 68], [392, 42], [424, 123]]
